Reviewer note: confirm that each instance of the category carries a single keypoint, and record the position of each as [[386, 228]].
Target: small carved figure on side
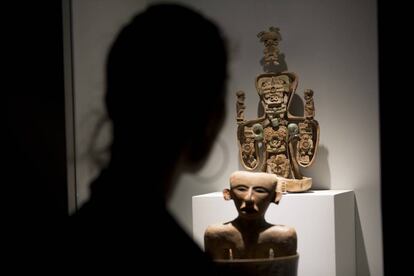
[[240, 106], [309, 104]]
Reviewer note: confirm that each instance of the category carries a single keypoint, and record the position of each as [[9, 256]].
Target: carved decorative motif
[[271, 40], [278, 142], [240, 106]]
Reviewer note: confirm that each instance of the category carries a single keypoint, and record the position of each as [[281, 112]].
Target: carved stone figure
[[249, 238], [271, 41], [278, 142], [240, 107], [309, 105]]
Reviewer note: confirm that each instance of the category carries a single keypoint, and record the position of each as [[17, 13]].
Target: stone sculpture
[[278, 142], [249, 242]]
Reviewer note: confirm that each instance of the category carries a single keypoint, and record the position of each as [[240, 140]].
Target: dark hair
[[173, 61]]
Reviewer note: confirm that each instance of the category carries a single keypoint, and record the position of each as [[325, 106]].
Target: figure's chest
[[252, 247]]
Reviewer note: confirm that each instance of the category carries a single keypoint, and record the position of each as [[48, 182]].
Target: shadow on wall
[[362, 268], [99, 148], [296, 105]]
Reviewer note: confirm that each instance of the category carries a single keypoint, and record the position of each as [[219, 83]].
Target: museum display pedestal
[[279, 266], [324, 221]]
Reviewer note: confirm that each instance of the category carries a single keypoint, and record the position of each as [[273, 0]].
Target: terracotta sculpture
[[249, 242], [278, 142], [249, 235]]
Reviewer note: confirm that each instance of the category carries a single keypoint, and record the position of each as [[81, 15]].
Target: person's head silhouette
[[165, 95], [166, 79]]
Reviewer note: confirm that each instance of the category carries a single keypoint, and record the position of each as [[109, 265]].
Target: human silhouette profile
[[165, 94]]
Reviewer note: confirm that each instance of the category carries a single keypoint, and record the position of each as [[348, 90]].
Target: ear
[[226, 194], [278, 197], [280, 188]]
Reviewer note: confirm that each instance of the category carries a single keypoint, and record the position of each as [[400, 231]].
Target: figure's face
[[273, 96], [252, 193], [252, 200]]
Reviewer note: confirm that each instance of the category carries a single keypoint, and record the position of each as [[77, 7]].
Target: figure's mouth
[[249, 210], [271, 103]]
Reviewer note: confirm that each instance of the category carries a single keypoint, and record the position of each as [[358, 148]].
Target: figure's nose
[[249, 196]]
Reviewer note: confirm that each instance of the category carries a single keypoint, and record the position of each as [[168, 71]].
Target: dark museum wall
[[33, 152], [331, 45], [94, 25]]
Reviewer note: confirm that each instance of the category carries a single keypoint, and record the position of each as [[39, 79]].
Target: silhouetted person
[[165, 94]]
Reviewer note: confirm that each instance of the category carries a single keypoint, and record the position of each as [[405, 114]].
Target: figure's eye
[[241, 188], [260, 190]]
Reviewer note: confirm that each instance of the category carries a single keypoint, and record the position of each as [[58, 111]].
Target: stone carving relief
[[278, 142]]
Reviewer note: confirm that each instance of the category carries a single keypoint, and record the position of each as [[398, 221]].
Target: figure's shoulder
[[217, 230], [283, 232], [283, 237]]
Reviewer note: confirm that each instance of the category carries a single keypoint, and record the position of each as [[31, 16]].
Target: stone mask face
[[252, 193], [251, 200]]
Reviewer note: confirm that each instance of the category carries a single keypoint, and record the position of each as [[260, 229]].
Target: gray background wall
[[95, 24], [331, 45]]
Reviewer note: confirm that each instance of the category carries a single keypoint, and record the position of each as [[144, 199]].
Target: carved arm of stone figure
[[249, 236], [249, 134]]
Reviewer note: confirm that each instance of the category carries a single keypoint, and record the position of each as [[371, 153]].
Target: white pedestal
[[324, 222]]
